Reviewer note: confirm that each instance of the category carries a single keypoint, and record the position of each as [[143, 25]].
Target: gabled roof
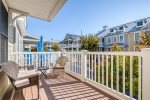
[[100, 32], [28, 36], [116, 33], [135, 28], [42, 9], [147, 26]]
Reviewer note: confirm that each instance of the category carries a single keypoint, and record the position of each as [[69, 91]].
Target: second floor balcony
[[89, 75]]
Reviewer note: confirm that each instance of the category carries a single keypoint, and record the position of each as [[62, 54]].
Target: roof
[[29, 36], [120, 44], [134, 29], [116, 33], [42, 9], [147, 26], [100, 32], [70, 36]]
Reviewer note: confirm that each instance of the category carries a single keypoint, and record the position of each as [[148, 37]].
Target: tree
[[144, 41], [116, 48], [56, 47], [89, 42]]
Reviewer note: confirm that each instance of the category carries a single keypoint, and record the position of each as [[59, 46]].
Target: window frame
[[121, 29], [135, 35], [108, 39], [120, 39], [114, 39], [111, 30], [139, 23]]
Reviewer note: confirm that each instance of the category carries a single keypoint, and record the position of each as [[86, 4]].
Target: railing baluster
[[98, 68], [92, 66], [78, 67], [95, 67], [131, 74], [89, 67], [123, 76], [139, 78], [106, 70], [102, 69], [117, 73], [112, 80]]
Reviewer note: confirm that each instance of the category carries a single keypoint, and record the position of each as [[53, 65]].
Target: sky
[[89, 16]]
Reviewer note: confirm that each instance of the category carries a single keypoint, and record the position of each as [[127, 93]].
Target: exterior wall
[[15, 36], [3, 33], [4, 83], [128, 30], [71, 43]]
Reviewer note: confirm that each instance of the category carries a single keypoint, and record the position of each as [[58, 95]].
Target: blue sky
[[90, 16]]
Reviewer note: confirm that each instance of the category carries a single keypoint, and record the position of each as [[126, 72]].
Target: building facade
[[71, 43], [30, 43], [125, 36]]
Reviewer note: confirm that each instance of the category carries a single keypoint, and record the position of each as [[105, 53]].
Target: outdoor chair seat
[[58, 68], [26, 74], [20, 79], [20, 83]]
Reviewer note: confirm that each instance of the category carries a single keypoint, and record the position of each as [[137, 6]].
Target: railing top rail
[[73, 52], [117, 53], [36, 52]]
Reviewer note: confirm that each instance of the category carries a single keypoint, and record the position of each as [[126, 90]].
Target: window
[[136, 36], [121, 38], [121, 28], [108, 40], [115, 39], [140, 23], [111, 30]]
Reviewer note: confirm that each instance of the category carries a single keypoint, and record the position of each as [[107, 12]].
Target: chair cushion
[[61, 62], [11, 69], [20, 83], [26, 74]]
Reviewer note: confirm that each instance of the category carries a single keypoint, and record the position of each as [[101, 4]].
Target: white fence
[[123, 74], [36, 59]]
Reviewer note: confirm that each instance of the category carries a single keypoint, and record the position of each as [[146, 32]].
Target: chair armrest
[[27, 67], [26, 74]]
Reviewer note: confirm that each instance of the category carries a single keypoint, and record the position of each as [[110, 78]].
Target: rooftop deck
[[64, 87]]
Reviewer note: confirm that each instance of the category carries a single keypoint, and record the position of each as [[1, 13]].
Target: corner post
[[84, 65], [145, 73]]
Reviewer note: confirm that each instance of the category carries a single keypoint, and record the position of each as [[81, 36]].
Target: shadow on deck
[[63, 87]]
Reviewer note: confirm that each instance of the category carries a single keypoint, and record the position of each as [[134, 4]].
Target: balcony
[[90, 75], [70, 45], [63, 88]]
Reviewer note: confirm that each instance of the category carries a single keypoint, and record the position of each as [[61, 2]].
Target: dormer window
[[140, 23], [111, 30], [121, 28]]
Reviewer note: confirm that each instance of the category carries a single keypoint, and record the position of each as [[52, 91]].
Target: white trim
[[110, 40], [123, 38], [116, 39], [140, 21], [135, 48], [5, 4], [136, 33]]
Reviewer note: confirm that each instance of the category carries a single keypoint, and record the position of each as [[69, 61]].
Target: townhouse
[[125, 35], [30, 43], [71, 42]]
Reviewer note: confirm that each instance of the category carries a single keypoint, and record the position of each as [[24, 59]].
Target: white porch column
[[146, 74], [84, 65]]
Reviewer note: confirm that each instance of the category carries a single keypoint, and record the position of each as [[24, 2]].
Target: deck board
[[62, 88]]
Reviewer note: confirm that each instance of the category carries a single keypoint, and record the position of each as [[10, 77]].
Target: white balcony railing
[[121, 74]]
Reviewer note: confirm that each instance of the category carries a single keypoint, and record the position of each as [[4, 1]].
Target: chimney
[[105, 27]]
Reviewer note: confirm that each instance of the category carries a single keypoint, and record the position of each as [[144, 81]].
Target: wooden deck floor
[[62, 88]]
